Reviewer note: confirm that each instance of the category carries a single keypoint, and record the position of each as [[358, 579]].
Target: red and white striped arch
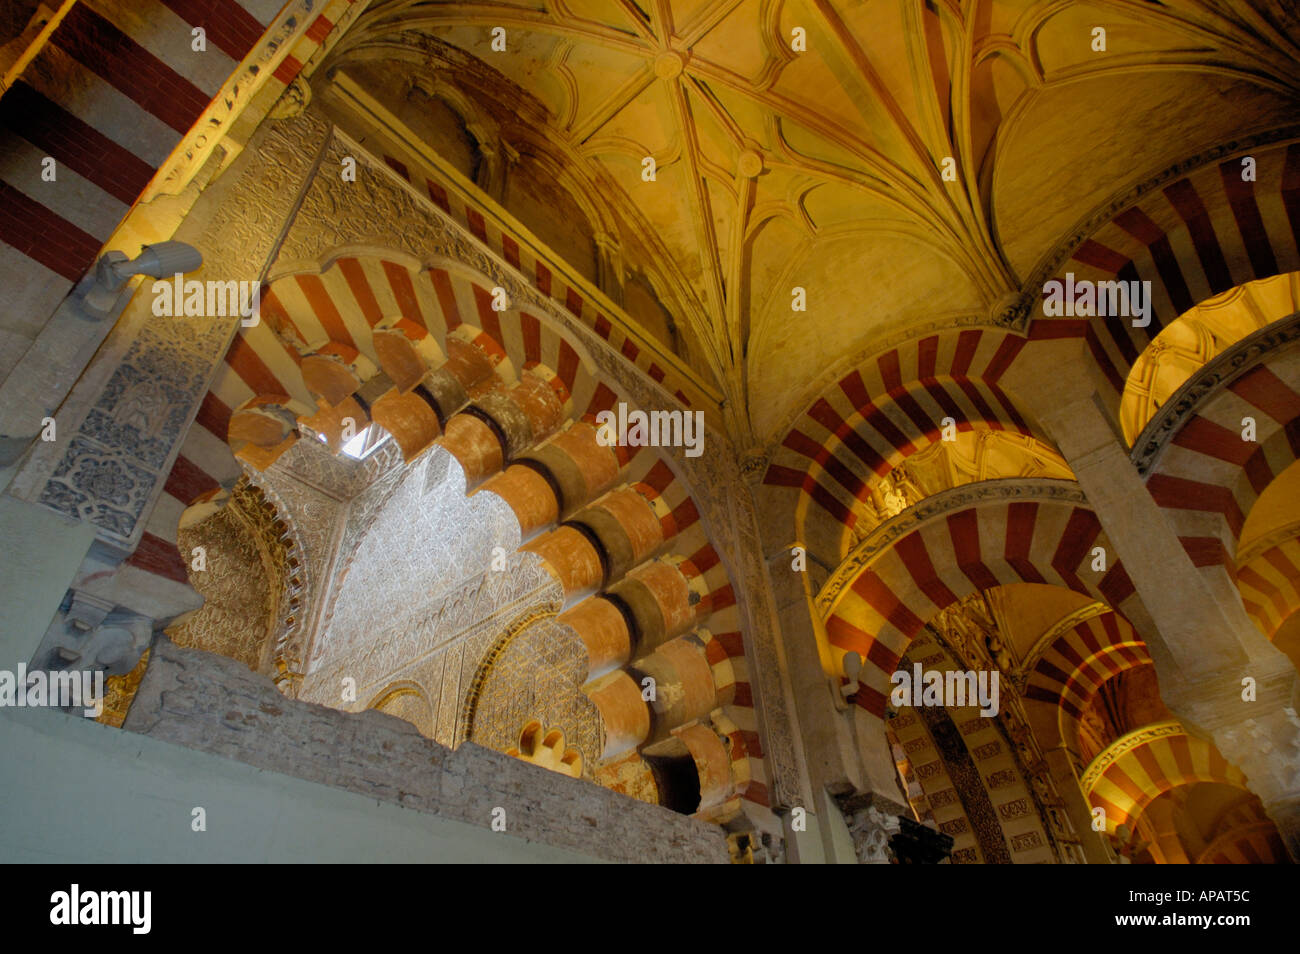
[[1208, 477], [877, 415], [993, 543], [345, 309], [339, 310], [553, 284], [1138, 768], [1270, 585], [1079, 662], [653, 476], [1192, 238]]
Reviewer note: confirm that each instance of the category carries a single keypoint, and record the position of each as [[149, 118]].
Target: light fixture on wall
[[98, 290], [97, 296], [852, 663]]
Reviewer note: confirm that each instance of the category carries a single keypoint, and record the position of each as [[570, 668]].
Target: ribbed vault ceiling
[[822, 169]]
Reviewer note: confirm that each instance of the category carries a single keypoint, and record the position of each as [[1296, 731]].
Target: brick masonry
[[228, 25], [42, 235], [217, 705], [74, 143], [101, 47]]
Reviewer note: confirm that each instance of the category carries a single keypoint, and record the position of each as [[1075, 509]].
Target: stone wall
[[217, 705]]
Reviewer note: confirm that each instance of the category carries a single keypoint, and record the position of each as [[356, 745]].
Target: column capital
[[1254, 724], [873, 822]]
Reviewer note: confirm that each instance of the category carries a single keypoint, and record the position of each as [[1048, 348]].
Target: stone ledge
[[214, 704]]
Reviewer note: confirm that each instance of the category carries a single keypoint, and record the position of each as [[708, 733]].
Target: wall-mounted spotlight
[[99, 289]]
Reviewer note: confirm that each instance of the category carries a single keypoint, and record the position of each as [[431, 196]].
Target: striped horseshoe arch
[[325, 336], [1191, 236], [1200, 468], [890, 407], [1269, 583], [562, 290], [1196, 338], [377, 338], [354, 340], [967, 539], [1078, 663], [1139, 767], [1134, 767]]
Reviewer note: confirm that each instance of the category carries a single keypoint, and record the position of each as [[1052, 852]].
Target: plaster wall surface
[[132, 799], [39, 553]]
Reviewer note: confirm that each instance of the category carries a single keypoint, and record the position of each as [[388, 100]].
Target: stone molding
[[129, 415], [1217, 374], [1019, 314], [871, 830], [876, 543], [1125, 744]]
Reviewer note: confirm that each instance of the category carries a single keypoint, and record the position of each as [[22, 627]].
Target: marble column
[[1201, 640], [845, 748]]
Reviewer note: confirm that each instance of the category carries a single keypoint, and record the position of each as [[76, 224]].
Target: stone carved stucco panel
[[381, 210], [416, 599], [536, 674], [242, 581], [135, 403]]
